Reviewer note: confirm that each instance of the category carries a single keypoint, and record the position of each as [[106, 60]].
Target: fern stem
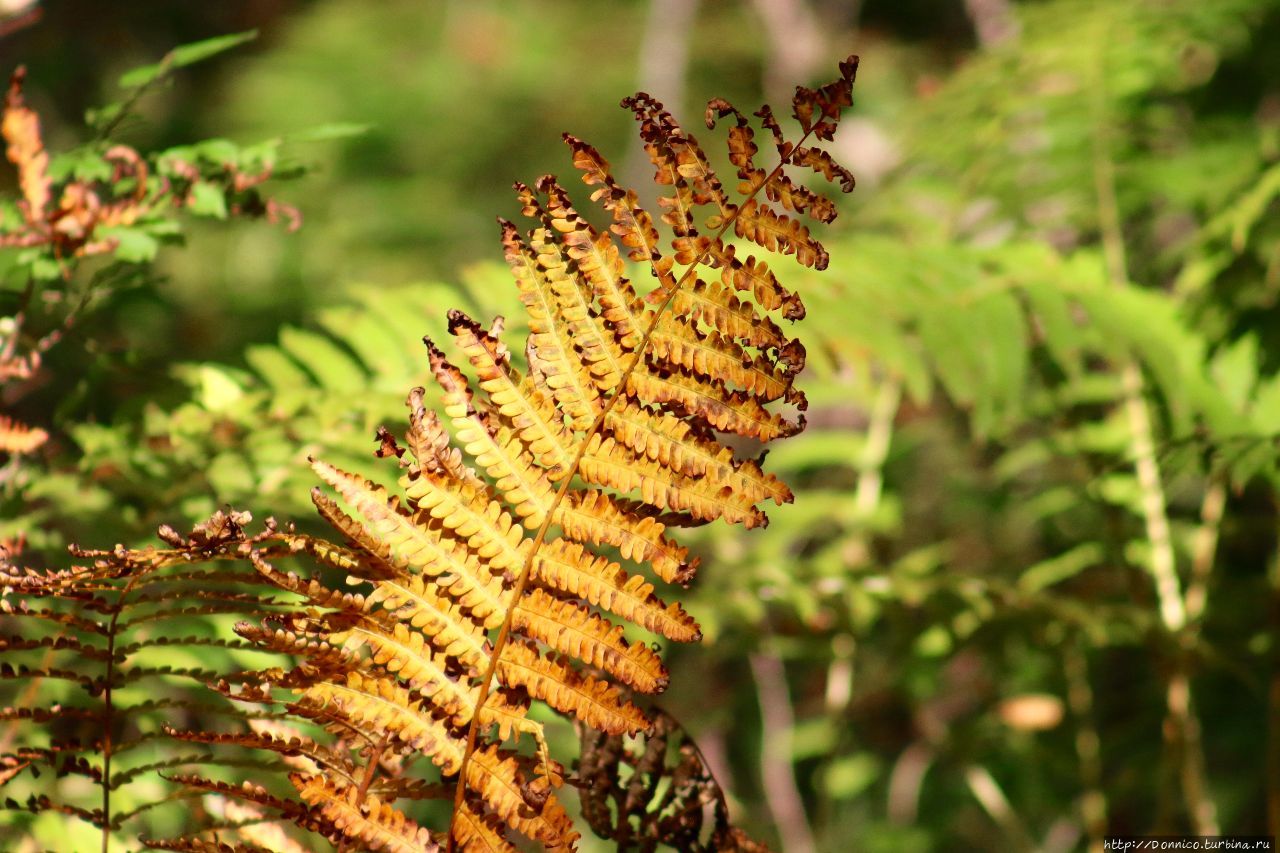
[[1183, 726], [875, 449], [371, 768], [1163, 565], [504, 631], [1204, 546], [777, 775], [1201, 808], [108, 715], [1273, 754], [1173, 612], [902, 804]]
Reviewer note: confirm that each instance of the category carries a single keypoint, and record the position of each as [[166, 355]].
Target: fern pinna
[[485, 585]]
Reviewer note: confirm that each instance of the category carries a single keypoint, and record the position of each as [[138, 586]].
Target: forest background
[[1029, 591]]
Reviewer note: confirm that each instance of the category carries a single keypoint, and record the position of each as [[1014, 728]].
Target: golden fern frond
[[543, 501], [573, 630], [598, 263], [25, 149], [551, 344], [711, 403], [424, 606], [471, 513], [411, 544], [682, 447], [605, 463], [708, 354], [430, 443]]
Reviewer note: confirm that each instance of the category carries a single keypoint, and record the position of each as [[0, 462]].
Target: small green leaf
[[187, 54], [1059, 568], [218, 151], [83, 163], [132, 244], [325, 132], [218, 390], [10, 218], [100, 117], [208, 200]]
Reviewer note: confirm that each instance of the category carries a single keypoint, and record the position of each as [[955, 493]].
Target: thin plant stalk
[[987, 791], [1183, 729], [777, 721]]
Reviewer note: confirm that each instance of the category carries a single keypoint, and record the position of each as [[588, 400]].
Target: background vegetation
[[1029, 590]]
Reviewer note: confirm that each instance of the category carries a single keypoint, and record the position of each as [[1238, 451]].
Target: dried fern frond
[[498, 574], [616, 779], [83, 644]]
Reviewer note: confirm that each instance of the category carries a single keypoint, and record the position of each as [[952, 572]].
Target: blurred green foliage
[[1056, 202]]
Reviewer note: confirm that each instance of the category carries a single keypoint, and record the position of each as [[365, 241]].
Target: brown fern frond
[[288, 745], [253, 826], [102, 618], [313, 820], [617, 779]]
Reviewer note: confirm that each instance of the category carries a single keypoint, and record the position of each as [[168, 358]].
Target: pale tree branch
[[777, 721], [796, 45]]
